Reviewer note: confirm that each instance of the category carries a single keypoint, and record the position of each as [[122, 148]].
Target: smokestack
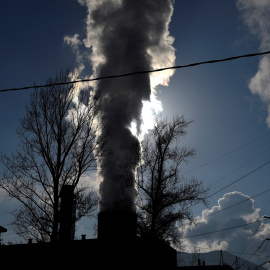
[[117, 225], [67, 214]]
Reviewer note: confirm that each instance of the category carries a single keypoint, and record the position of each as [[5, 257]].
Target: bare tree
[[59, 143], [165, 197]]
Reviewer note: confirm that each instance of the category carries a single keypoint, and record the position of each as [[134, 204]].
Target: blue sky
[[226, 114]]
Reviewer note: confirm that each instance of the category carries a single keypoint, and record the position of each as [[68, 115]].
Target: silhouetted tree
[[59, 143], [164, 197]]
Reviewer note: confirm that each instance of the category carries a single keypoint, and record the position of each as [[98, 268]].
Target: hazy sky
[[228, 102]]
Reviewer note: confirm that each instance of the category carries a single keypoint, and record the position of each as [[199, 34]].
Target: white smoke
[[124, 36], [256, 14]]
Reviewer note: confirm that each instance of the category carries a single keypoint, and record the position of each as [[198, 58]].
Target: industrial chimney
[[67, 214], [117, 224]]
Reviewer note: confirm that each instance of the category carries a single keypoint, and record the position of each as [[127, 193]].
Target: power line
[[250, 239], [235, 204], [254, 253], [139, 72], [239, 167], [237, 180], [233, 150], [221, 230], [251, 255], [230, 251]]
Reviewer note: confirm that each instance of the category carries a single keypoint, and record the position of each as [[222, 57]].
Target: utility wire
[[254, 253], [139, 72], [216, 181], [230, 251], [237, 180], [235, 149], [158, 70], [221, 230], [249, 241], [251, 255], [235, 204]]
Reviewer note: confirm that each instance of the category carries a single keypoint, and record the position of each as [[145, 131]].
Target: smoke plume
[[256, 16], [125, 36]]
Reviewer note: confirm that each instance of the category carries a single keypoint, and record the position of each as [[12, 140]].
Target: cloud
[[256, 16], [224, 216]]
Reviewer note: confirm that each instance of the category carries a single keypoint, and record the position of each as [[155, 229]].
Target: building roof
[[206, 267]]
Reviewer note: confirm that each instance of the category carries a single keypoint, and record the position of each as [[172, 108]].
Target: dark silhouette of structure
[[117, 245], [117, 225], [202, 266], [67, 214], [91, 253]]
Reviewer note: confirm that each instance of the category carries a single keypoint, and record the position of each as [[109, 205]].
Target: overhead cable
[[221, 230], [253, 254], [243, 164], [235, 204], [210, 249], [231, 151], [139, 72], [237, 180]]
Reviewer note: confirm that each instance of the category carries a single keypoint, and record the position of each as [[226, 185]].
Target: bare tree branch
[[164, 197], [59, 143]]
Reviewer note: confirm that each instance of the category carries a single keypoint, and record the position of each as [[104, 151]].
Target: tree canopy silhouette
[[59, 143], [164, 196]]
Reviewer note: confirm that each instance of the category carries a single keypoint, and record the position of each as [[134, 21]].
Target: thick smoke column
[[126, 36]]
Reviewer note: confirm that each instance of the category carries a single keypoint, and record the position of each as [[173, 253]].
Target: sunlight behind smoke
[[149, 110]]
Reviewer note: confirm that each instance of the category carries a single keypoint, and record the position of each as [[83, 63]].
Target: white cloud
[[256, 15], [223, 216]]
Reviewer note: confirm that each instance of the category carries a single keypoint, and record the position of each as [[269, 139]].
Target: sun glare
[[149, 110]]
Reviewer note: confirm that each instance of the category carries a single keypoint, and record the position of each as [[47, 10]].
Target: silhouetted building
[[202, 266], [92, 253], [117, 245], [117, 224], [206, 267]]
